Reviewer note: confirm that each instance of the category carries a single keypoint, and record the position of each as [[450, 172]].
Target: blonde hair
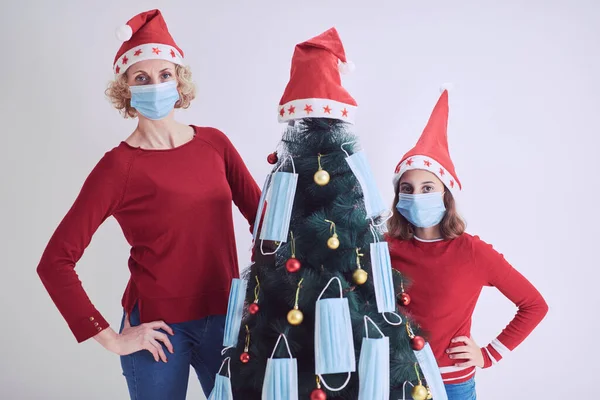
[[120, 96], [451, 226]]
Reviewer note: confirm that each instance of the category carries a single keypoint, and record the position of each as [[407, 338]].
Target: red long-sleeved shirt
[[447, 278], [175, 209]]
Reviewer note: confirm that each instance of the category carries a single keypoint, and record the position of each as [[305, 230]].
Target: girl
[[170, 187], [449, 267]]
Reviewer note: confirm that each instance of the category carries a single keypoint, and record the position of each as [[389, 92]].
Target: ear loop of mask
[[349, 373], [280, 243], [286, 345], [404, 389], [374, 324], [228, 360], [376, 240]]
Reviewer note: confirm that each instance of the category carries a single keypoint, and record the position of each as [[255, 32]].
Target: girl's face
[[419, 181], [150, 72]]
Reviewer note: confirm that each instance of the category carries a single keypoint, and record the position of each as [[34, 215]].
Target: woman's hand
[[469, 354], [136, 338]]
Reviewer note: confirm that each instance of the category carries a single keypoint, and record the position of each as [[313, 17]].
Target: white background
[[523, 134]]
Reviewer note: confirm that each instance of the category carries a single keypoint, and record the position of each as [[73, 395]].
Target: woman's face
[[419, 181], [150, 72]]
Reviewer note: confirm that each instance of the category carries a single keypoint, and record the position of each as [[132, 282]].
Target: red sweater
[[447, 278], [174, 207]]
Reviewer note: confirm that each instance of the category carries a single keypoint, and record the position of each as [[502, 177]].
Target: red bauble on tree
[[417, 343], [404, 299], [293, 264], [244, 357], [318, 394], [272, 158], [253, 308]]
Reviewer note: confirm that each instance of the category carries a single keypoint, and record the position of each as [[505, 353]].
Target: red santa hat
[[431, 151], [145, 37], [315, 87]]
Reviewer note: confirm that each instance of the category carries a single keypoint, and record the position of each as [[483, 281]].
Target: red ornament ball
[[244, 357], [318, 394], [417, 343], [404, 299], [253, 308], [272, 158], [293, 265]]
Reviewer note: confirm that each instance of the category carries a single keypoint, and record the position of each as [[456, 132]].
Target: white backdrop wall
[[523, 135]]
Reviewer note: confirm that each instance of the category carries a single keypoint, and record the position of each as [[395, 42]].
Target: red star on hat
[[173, 53], [327, 110], [137, 52], [117, 69], [291, 110], [427, 163], [156, 50], [282, 112], [409, 162], [308, 109], [344, 112]]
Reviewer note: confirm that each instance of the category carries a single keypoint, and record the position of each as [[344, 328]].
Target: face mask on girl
[[422, 210], [154, 101]]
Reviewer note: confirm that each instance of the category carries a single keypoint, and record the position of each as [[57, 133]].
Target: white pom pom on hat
[[346, 67], [124, 33], [446, 86]]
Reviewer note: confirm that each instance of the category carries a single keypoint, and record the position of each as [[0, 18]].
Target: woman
[[448, 267], [170, 187]]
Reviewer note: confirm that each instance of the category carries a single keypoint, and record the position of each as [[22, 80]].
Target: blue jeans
[[462, 391], [196, 343]]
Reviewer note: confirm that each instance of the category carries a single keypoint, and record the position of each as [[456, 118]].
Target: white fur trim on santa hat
[[316, 108], [124, 33], [427, 164], [148, 51], [346, 67]]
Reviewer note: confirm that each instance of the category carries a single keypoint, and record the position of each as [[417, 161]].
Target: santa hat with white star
[[431, 151], [145, 37], [315, 87]]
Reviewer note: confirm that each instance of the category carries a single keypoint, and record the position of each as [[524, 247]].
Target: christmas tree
[[329, 246]]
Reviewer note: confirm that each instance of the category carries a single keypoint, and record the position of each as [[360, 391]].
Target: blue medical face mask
[[280, 201], [334, 346], [359, 165], [222, 389], [154, 101], [422, 210], [374, 366], [383, 282], [431, 372], [235, 309], [261, 205], [281, 376]]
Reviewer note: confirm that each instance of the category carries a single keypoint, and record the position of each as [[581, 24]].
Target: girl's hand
[[469, 354], [141, 337]]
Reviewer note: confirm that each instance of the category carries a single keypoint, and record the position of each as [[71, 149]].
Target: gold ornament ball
[[321, 177], [333, 242], [295, 316], [360, 276], [429, 395], [419, 392]]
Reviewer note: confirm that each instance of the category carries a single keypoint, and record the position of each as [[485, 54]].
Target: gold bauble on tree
[[419, 392], [333, 242], [295, 316], [360, 276], [429, 395], [322, 177]]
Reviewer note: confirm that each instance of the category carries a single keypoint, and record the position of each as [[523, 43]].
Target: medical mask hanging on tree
[[334, 345], [154, 102], [383, 282], [281, 376], [428, 365], [374, 366], [422, 210], [235, 308], [222, 389], [261, 206], [280, 201], [359, 165]]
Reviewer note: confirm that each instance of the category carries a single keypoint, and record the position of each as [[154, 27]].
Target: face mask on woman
[[422, 210]]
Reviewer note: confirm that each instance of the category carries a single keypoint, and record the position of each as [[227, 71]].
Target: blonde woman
[[170, 186]]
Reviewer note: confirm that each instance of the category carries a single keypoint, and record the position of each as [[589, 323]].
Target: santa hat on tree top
[[315, 87], [431, 151], [145, 37]]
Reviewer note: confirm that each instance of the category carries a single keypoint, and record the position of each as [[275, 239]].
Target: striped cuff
[[493, 353]]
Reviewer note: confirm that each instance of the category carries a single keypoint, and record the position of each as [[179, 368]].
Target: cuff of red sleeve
[[490, 356], [88, 327], [487, 361]]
